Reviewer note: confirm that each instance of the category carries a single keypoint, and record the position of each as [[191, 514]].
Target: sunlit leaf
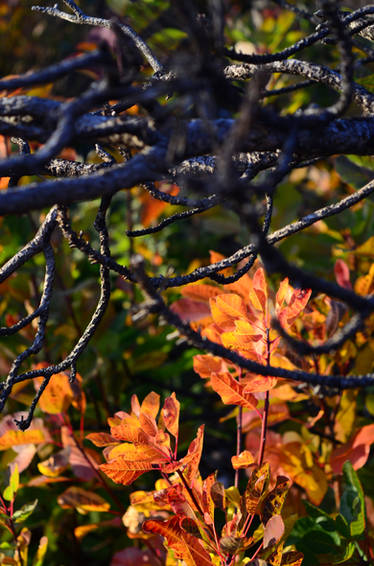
[[58, 394], [242, 460], [101, 439], [55, 464], [186, 547], [170, 414], [231, 391], [26, 510], [256, 488], [17, 437], [41, 552], [274, 500]]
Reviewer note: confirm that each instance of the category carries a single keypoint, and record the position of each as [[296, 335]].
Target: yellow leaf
[[17, 437], [256, 488], [345, 417], [55, 464]]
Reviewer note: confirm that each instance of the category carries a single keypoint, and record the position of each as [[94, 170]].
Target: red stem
[[266, 407], [239, 427], [263, 430]]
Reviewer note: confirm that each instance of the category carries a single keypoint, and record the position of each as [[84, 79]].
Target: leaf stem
[[266, 408], [239, 428]]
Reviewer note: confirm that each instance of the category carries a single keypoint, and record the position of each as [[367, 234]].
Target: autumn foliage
[[152, 440], [199, 520]]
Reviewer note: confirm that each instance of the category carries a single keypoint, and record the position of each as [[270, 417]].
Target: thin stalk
[[239, 427], [266, 408], [256, 553], [10, 525], [238, 441]]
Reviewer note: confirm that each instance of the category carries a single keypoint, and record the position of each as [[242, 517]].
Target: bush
[[249, 308]]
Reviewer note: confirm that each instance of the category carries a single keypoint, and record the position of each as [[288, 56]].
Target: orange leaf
[[215, 257], [200, 292], [152, 208], [186, 547], [226, 308], [58, 394], [243, 460], [17, 438], [231, 391], [297, 303], [364, 284], [356, 450], [191, 459], [135, 405], [194, 452], [127, 429], [260, 288], [170, 414], [151, 404], [148, 424], [243, 337], [254, 383], [101, 439], [207, 500], [205, 365], [138, 453], [123, 472], [357, 456], [364, 436]]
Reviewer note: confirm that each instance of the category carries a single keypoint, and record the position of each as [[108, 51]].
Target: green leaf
[[325, 542], [342, 525], [8, 493], [14, 479], [348, 553], [25, 512], [352, 505], [11, 490]]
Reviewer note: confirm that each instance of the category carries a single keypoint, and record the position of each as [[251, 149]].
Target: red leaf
[[342, 276]]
